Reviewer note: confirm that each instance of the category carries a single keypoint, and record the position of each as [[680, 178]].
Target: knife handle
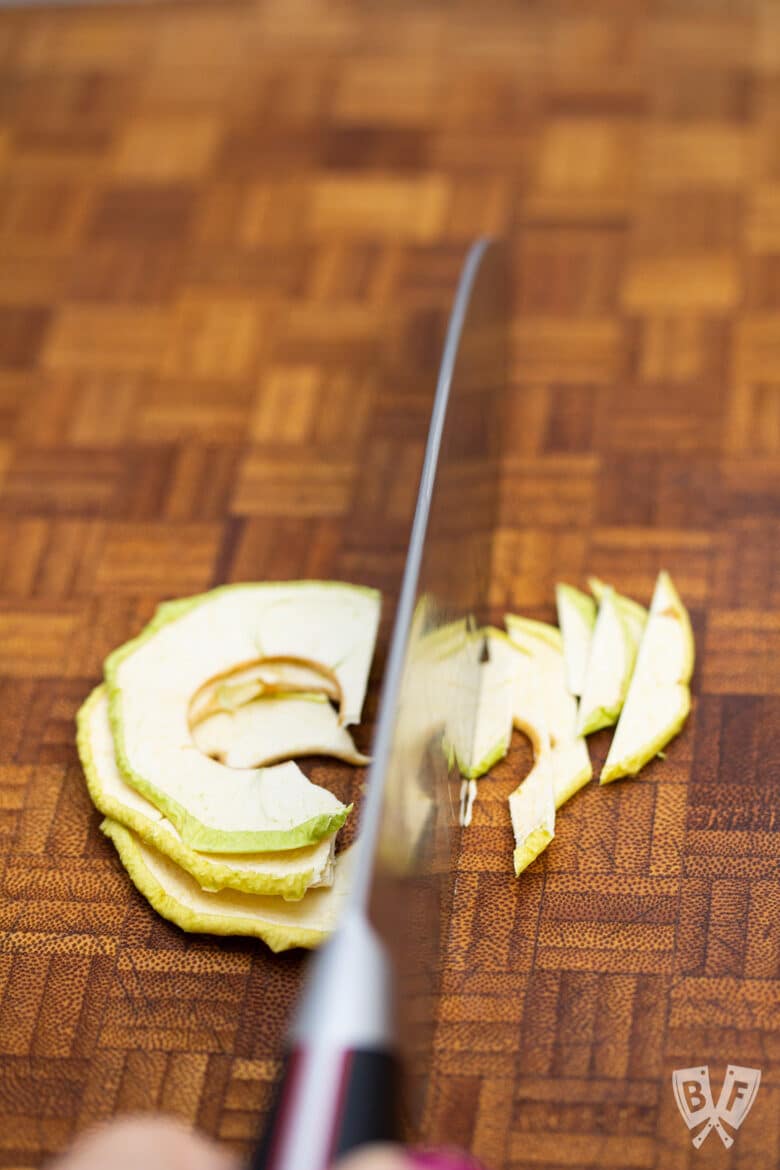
[[339, 1084], [355, 1102]]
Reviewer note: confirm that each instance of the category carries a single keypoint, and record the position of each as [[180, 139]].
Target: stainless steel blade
[[391, 942], [409, 830]]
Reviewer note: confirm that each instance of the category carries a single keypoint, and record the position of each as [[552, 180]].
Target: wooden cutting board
[[221, 229]]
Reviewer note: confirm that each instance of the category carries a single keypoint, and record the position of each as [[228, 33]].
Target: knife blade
[[361, 1038]]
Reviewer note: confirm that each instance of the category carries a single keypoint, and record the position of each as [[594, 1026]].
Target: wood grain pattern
[[228, 236]]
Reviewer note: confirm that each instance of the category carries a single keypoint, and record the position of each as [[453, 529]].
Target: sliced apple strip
[[275, 728], [658, 699], [487, 679], [611, 661], [280, 675], [558, 771], [532, 809], [543, 644], [509, 695], [482, 689], [576, 617], [151, 680], [288, 874], [571, 764], [177, 896], [634, 614], [497, 680], [546, 711], [453, 686]]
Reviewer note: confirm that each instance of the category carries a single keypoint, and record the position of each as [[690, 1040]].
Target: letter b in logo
[[694, 1096]]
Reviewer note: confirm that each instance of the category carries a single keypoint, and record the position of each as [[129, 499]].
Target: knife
[[361, 1038]]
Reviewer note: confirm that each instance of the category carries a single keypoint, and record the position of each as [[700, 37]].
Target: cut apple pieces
[[497, 677], [576, 617], [266, 677], [532, 809], [546, 707], [177, 896], [502, 674], [150, 681], [489, 684], [611, 661], [634, 614], [182, 749], [275, 728], [499, 670], [482, 682], [658, 699], [532, 804], [288, 874], [544, 644], [455, 680]]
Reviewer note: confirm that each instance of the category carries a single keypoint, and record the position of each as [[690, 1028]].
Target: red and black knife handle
[[339, 1086], [358, 1104]]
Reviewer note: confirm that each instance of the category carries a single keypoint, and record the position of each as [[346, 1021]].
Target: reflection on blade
[[497, 678], [338, 1091], [430, 678], [440, 680]]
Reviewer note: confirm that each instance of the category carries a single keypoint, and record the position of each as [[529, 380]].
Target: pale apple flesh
[[658, 700], [479, 715], [634, 614], [287, 874], [151, 681], [576, 617], [275, 728], [270, 676], [610, 667], [175, 895], [647, 730], [547, 712], [532, 809], [625, 666]]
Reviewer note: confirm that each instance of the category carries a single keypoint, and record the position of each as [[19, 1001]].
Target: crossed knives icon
[[694, 1100]]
